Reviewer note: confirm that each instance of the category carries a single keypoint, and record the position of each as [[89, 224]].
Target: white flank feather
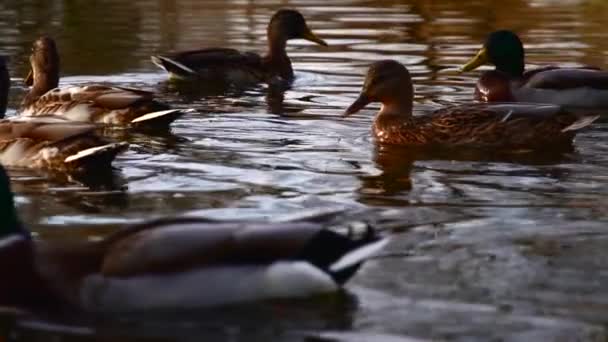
[[155, 115], [94, 150], [358, 255], [204, 287], [581, 123]]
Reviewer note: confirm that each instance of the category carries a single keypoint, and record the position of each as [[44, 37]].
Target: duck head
[[502, 49], [5, 84], [289, 24], [387, 82], [44, 62]]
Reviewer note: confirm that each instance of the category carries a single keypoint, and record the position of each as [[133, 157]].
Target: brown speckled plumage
[[499, 126], [100, 104], [50, 144]]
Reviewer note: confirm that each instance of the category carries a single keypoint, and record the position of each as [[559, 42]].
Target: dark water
[[483, 249]]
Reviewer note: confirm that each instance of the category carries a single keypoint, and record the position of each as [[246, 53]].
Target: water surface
[[483, 248]]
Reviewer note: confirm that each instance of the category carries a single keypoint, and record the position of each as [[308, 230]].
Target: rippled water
[[483, 248]]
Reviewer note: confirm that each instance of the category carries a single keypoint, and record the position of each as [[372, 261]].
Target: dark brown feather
[[504, 126]]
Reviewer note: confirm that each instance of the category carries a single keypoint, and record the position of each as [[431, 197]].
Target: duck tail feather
[[340, 250], [98, 155], [358, 255], [161, 118], [580, 123], [172, 66]]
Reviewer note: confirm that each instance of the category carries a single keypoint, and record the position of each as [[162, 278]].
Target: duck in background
[[99, 104], [50, 142], [236, 67], [584, 87], [506, 127], [177, 264]]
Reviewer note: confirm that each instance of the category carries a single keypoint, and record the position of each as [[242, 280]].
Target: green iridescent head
[[502, 49]]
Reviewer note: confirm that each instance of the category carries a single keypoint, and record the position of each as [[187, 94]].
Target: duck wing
[[507, 125], [182, 244], [55, 143], [179, 244], [562, 78], [43, 129], [190, 63], [105, 105]]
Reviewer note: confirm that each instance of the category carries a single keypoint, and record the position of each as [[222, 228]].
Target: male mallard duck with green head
[[50, 142], [237, 67], [583, 87], [507, 126], [177, 264], [99, 104]]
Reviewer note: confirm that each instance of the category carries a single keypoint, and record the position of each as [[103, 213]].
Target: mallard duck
[[237, 67], [50, 142], [584, 87], [171, 264], [98, 104], [495, 126]]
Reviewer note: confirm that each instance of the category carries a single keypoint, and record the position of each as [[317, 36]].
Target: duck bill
[[308, 35], [480, 59], [359, 104], [29, 79]]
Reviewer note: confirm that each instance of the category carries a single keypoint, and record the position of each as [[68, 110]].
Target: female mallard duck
[[573, 87], [503, 126], [174, 264], [234, 66], [93, 103], [50, 142]]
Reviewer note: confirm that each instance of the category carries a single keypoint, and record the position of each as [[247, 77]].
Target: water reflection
[[275, 320], [478, 234]]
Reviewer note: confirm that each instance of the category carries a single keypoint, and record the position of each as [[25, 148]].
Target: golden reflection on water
[[262, 153]]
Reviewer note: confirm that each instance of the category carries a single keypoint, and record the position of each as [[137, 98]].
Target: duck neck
[[400, 108], [276, 57], [45, 79], [511, 68]]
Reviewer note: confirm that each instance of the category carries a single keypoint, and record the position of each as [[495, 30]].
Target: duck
[[50, 142], [94, 103], [172, 264], [236, 67], [583, 87], [516, 127]]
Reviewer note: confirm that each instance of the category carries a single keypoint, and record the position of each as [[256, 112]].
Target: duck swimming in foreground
[[583, 87], [98, 104], [174, 264], [233, 66], [510, 126], [51, 142]]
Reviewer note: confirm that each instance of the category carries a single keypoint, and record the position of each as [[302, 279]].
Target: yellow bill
[[480, 59]]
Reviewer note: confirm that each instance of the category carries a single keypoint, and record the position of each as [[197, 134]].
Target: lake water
[[483, 249]]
